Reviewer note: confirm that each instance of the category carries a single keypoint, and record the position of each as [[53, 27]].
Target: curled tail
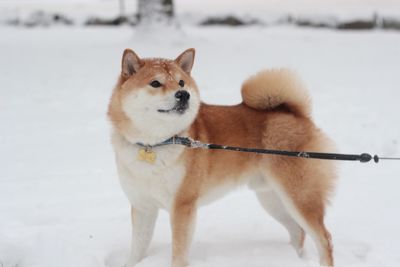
[[269, 89]]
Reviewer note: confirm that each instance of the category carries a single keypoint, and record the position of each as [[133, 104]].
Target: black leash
[[189, 142]]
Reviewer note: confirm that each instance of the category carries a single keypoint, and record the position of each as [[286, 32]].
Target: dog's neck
[[137, 139]]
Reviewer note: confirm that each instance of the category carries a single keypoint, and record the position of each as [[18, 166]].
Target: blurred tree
[[155, 11], [121, 8]]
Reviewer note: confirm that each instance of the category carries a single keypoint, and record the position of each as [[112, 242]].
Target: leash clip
[[196, 144]]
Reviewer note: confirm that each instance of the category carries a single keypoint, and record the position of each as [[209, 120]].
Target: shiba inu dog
[[156, 99]]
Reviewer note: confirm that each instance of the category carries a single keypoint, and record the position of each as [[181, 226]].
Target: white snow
[[60, 201]]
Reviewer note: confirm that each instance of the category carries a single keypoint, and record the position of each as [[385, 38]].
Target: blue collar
[[175, 140]]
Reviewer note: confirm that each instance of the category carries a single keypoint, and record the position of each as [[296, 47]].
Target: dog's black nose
[[182, 95]]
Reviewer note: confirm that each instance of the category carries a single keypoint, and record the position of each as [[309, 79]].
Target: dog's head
[[157, 97]]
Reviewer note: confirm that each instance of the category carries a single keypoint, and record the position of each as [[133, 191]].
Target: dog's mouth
[[179, 108]]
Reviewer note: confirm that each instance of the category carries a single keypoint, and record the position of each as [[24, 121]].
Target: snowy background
[[60, 200]]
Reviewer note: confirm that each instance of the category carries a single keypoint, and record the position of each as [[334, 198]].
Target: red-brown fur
[[275, 114]]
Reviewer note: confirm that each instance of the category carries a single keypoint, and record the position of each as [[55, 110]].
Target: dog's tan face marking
[[146, 96], [167, 73], [141, 72]]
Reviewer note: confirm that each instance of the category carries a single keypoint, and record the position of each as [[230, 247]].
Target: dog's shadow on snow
[[210, 253], [237, 248], [237, 252]]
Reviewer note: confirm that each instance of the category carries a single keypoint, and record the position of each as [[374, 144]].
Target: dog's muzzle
[[182, 103]]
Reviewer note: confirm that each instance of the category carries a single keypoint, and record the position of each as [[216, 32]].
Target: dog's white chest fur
[[149, 185]]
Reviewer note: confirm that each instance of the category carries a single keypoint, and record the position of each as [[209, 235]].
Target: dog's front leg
[[142, 231], [183, 223]]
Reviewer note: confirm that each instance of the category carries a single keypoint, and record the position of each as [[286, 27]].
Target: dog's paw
[[131, 262], [179, 263], [116, 258]]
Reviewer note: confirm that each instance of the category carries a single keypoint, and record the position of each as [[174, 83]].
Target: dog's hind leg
[[311, 220], [303, 187], [143, 223], [274, 206]]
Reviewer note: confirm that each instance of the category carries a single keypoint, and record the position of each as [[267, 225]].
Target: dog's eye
[[155, 84], [181, 83]]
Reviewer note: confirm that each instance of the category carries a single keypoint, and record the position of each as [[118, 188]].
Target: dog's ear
[[186, 59], [131, 63]]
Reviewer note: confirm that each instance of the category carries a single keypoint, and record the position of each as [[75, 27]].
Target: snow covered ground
[[60, 200]]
